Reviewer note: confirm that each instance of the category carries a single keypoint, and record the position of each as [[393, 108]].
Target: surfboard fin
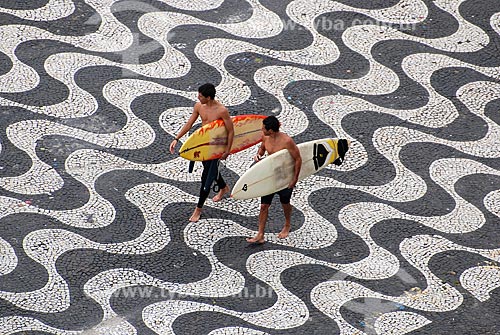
[[342, 147]]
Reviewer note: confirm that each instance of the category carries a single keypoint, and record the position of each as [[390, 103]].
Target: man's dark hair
[[271, 123], [207, 90]]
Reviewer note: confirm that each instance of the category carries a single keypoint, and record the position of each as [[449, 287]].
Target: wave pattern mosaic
[[402, 238]]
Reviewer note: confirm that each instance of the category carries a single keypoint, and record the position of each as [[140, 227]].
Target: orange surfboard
[[209, 142]]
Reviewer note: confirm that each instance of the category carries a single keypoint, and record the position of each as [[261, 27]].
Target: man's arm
[[261, 151], [186, 127], [295, 153], [228, 123]]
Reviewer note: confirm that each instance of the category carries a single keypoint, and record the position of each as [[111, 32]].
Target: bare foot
[[196, 215], [257, 240], [218, 196], [284, 232]]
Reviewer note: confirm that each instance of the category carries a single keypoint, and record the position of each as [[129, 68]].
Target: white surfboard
[[275, 172]]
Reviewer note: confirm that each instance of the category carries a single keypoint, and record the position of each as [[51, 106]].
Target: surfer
[[208, 109], [272, 141]]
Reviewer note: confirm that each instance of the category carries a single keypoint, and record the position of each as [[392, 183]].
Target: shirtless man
[[272, 141], [209, 110]]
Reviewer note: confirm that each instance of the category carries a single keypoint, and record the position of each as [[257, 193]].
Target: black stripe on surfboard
[[319, 155]]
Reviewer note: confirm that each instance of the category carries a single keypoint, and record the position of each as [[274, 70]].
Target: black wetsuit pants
[[204, 176]]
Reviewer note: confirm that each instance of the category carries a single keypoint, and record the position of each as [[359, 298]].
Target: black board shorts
[[285, 196]]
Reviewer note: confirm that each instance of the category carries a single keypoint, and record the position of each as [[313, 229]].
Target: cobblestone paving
[[403, 238]]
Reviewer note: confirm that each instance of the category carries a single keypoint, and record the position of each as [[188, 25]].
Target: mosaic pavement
[[402, 238]]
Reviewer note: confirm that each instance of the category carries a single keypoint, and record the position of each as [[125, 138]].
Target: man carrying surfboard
[[208, 109], [273, 141]]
